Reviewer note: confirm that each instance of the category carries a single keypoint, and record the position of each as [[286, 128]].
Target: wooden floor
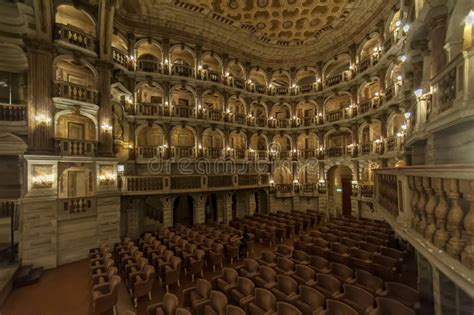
[[66, 291]]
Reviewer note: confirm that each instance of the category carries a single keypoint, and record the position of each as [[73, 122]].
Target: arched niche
[[75, 182], [75, 126], [76, 19], [75, 72], [258, 76], [236, 70], [282, 175]]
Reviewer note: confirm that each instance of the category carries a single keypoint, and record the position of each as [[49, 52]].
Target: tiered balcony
[[432, 207], [238, 83], [149, 151], [119, 58], [185, 182], [308, 121], [214, 114], [239, 154], [338, 78], [137, 184], [182, 70], [73, 147], [248, 180], [240, 119], [76, 92], [281, 90], [368, 105], [12, 112], [152, 109], [307, 88], [145, 65], [336, 115], [367, 62], [213, 76], [220, 181], [73, 36], [308, 153], [260, 89]]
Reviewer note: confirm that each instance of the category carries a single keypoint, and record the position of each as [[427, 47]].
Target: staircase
[[26, 275]]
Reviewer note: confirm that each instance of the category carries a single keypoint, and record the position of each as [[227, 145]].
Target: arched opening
[[211, 66], [211, 211], [75, 26], [339, 144], [307, 145], [306, 113], [149, 57], [76, 134], [371, 138], [236, 74], [183, 210], [280, 116], [282, 146], [149, 100], [393, 83], [237, 145], [237, 110], [150, 142], [340, 188], [182, 61], [258, 81], [306, 80], [261, 201], [369, 53], [212, 105], [182, 142], [259, 113], [212, 143], [280, 82], [338, 70], [120, 50], [76, 81], [258, 147], [183, 102], [283, 179], [337, 107], [369, 97]]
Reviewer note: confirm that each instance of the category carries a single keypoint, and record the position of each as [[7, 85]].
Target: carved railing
[[339, 151], [240, 119], [248, 180], [213, 153], [260, 122], [74, 36], [239, 154], [149, 151], [214, 114], [338, 78], [119, 57], [281, 90], [142, 183], [12, 112], [308, 121], [76, 92], [150, 109], [366, 191], [186, 182], [260, 88], [335, 115], [309, 188], [217, 181], [213, 76], [183, 111], [239, 83], [182, 70], [284, 188], [75, 208], [435, 205], [183, 152], [367, 148], [448, 85], [307, 154], [306, 88], [147, 65], [392, 143], [72, 147]]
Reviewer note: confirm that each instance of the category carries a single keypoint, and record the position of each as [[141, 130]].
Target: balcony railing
[[240, 119], [339, 151], [150, 109], [260, 122], [367, 148], [12, 112], [183, 152], [182, 70], [338, 78], [149, 151], [72, 147], [119, 57], [367, 62], [74, 36], [260, 88], [146, 65], [142, 183], [281, 90], [306, 88], [239, 83], [183, 111], [366, 191], [247, 180], [284, 188], [213, 153], [213, 76], [186, 182], [74, 208], [448, 85], [214, 114], [239, 154], [335, 115], [434, 207], [76, 92], [308, 121], [307, 154], [218, 181]]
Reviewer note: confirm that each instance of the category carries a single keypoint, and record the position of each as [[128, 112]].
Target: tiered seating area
[[344, 266]]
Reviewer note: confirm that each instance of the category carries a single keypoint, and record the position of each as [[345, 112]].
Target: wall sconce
[[470, 18], [294, 86], [398, 23], [166, 61], [106, 127], [404, 127], [403, 58], [120, 168], [407, 115], [419, 93], [406, 28], [272, 183], [200, 147], [107, 179], [227, 74], [199, 67], [132, 58], [399, 134], [378, 141], [42, 181], [42, 119], [399, 78], [318, 80]]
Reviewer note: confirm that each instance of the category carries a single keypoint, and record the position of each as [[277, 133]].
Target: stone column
[[131, 140], [40, 104], [227, 207], [167, 212], [199, 214], [105, 110], [437, 37], [166, 55]]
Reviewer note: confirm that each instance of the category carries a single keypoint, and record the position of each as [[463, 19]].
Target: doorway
[[346, 184], [340, 190], [211, 209], [183, 210]]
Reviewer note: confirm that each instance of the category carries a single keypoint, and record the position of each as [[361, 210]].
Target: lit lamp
[[42, 181], [403, 58], [42, 119], [322, 186], [419, 93], [406, 28], [107, 178], [106, 127], [470, 18]]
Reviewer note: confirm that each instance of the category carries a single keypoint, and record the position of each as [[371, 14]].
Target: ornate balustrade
[[185, 182], [213, 76], [240, 119], [308, 153], [393, 143], [12, 112], [366, 191], [248, 180], [281, 90], [448, 85], [147, 65], [214, 114], [367, 148], [142, 183], [308, 121], [284, 188], [73, 147], [119, 57], [260, 89], [339, 151], [335, 115], [219, 181], [71, 35], [435, 205], [75, 208], [213, 153], [239, 154], [149, 151], [306, 88], [239, 83], [75, 92], [150, 109], [183, 152], [182, 70], [183, 111]]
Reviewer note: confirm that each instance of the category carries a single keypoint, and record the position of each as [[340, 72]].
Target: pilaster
[[105, 112]]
